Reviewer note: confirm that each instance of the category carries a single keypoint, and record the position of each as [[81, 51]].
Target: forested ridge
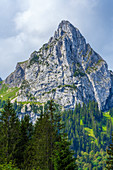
[[44, 145], [89, 131]]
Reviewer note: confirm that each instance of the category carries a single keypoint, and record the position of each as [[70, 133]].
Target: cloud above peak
[[27, 25]]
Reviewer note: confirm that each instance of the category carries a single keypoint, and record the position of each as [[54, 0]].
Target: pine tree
[[63, 156], [9, 125], [44, 138], [109, 162], [40, 154], [25, 136]]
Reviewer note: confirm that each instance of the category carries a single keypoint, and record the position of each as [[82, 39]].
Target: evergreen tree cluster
[[88, 130], [42, 146], [92, 160]]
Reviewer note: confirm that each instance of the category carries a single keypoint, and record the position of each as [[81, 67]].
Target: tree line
[[89, 131], [42, 146], [45, 145]]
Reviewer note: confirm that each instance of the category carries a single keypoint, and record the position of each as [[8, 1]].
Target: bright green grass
[[23, 62], [91, 134], [104, 128], [3, 89], [89, 131], [6, 92], [81, 122], [30, 102], [108, 116]]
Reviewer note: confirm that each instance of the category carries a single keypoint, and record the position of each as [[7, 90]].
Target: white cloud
[[28, 24]]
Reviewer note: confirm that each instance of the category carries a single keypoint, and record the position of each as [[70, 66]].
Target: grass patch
[[90, 132], [68, 85], [107, 116], [1, 82], [3, 89], [104, 128], [23, 62], [81, 122], [30, 102], [6, 92]]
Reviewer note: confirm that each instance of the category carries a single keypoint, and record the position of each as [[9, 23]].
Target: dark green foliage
[[63, 157], [92, 160], [88, 129], [8, 166], [42, 146], [48, 142], [45, 136], [2, 102], [26, 132], [111, 112], [45, 132], [109, 162], [1, 82], [68, 85], [9, 125]]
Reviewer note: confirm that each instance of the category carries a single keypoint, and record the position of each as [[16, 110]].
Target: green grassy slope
[[6, 92]]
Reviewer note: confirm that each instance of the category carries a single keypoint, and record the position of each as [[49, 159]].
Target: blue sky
[[25, 25]]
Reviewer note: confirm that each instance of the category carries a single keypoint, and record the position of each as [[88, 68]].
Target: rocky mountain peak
[[68, 31], [66, 27], [65, 69], [0, 79]]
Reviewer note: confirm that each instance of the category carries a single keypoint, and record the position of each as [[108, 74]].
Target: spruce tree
[[63, 157], [9, 125], [25, 136], [49, 148], [44, 138]]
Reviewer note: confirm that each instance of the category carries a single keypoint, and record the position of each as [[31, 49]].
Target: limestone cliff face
[[16, 78], [66, 69]]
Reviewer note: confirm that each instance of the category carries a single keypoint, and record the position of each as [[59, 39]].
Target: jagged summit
[[66, 26], [65, 69], [64, 22], [0, 79]]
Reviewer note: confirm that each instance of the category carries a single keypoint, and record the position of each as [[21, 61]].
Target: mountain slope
[[66, 69]]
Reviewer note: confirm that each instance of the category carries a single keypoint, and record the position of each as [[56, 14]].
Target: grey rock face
[[66, 69], [16, 78], [109, 101]]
